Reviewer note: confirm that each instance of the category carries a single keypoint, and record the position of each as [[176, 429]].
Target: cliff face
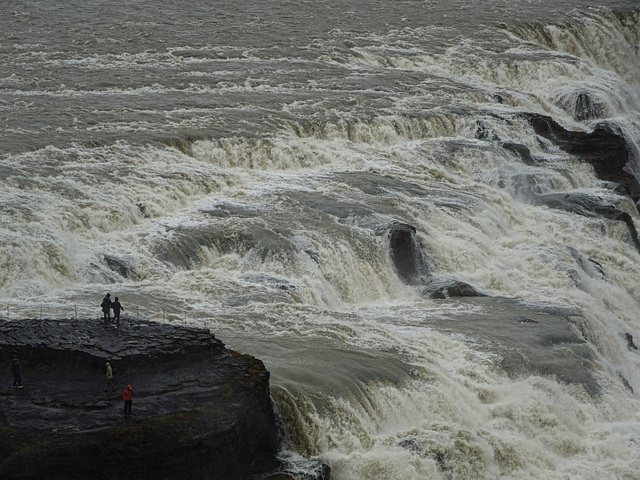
[[199, 410]]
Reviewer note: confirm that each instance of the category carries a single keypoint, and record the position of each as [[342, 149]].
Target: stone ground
[[198, 409], [67, 387]]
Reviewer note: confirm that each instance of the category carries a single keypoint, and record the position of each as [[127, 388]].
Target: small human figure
[[116, 306], [109, 380], [127, 396], [106, 308], [16, 368]]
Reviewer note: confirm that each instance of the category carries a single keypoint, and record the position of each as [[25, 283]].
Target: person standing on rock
[[116, 306], [109, 381], [106, 308], [127, 396], [16, 368]]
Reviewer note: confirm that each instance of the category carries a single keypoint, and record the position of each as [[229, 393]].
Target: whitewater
[[357, 194]]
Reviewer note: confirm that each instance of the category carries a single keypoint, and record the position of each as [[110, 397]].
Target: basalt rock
[[447, 288], [589, 206], [605, 148], [199, 411], [625, 382], [521, 151], [582, 105], [406, 253], [630, 343]]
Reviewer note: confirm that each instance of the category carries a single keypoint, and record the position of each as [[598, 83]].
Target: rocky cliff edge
[[199, 410]]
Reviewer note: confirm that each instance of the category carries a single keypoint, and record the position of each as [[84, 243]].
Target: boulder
[[406, 253], [447, 288], [199, 409], [520, 151]]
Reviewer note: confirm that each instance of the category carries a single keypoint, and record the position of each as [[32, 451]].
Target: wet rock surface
[[199, 409], [527, 339], [605, 148], [589, 206], [446, 288], [406, 253]]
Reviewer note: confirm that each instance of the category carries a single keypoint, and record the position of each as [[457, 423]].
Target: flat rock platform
[[199, 411]]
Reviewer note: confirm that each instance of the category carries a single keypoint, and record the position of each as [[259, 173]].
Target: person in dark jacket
[[127, 396], [16, 368], [106, 308], [116, 306]]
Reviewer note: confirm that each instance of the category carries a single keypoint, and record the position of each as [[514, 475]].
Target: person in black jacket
[[16, 368], [106, 308], [116, 306]]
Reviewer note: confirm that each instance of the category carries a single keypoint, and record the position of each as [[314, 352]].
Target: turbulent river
[[360, 194]]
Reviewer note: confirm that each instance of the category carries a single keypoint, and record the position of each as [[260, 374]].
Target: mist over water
[[303, 178]]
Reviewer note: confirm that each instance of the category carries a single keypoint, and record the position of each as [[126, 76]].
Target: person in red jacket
[[127, 396]]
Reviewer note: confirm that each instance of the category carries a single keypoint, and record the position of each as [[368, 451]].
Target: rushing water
[[243, 166]]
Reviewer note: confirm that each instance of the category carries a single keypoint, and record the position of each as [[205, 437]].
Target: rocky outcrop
[[446, 288], [406, 253], [200, 410], [520, 151], [412, 268], [604, 148], [582, 104], [589, 206]]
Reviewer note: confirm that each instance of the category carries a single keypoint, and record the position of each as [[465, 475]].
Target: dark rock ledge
[[200, 410]]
